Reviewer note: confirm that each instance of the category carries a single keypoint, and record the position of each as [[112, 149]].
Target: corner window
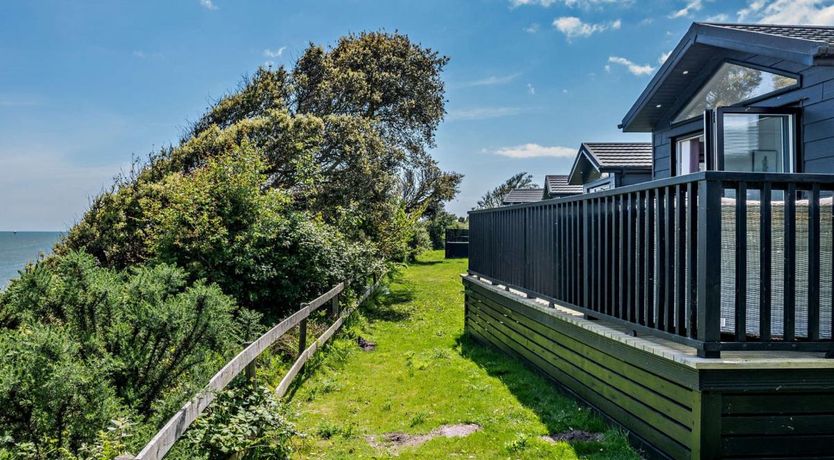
[[761, 141], [732, 84]]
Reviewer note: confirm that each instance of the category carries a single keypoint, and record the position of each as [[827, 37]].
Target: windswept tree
[[494, 197], [343, 138]]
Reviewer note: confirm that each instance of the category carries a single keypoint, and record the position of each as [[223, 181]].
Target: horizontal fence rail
[[715, 260], [246, 360]]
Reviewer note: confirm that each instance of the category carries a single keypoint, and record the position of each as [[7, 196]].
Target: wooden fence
[[246, 361]]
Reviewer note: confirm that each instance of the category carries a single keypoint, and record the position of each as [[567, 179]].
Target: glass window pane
[[690, 155], [757, 142], [733, 84]]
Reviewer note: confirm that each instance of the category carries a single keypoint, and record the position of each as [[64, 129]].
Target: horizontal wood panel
[[608, 364], [777, 446], [614, 386], [778, 425], [777, 404], [636, 425], [586, 379]]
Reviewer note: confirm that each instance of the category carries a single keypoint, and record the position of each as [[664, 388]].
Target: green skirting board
[[675, 405]]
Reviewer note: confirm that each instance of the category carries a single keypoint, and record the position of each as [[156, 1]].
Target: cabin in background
[[557, 186], [523, 195], [606, 165]]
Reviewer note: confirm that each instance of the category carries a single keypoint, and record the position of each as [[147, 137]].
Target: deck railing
[[716, 260]]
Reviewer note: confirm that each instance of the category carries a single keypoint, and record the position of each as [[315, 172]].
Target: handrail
[[177, 425], [806, 179]]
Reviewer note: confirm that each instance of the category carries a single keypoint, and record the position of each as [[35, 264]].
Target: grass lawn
[[423, 374]]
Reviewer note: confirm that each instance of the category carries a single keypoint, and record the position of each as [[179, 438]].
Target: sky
[[86, 87]]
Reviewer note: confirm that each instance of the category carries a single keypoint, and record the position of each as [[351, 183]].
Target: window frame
[[741, 103], [676, 154], [796, 113]]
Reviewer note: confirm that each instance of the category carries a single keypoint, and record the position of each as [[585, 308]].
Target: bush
[[245, 422], [84, 344], [53, 397]]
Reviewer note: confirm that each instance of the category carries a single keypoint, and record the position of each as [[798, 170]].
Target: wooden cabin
[[557, 186], [605, 165], [522, 195], [694, 309]]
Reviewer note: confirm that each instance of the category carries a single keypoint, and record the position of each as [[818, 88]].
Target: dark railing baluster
[[621, 244], [670, 260], [639, 237], [814, 263], [692, 258], [765, 255], [790, 266], [680, 258], [651, 196], [661, 282], [741, 262]]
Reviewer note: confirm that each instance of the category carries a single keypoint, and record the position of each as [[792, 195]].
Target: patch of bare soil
[[573, 436], [365, 345], [398, 440]]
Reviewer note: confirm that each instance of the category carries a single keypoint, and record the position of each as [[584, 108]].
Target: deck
[[745, 404]]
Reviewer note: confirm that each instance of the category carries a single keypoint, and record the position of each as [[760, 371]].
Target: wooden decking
[[754, 404]]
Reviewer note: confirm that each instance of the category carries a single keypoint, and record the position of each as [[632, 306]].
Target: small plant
[[327, 430], [245, 422], [417, 419], [521, 442]]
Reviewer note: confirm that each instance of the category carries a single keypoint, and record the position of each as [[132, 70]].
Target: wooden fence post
[[302, 333], [334, 307], [250, 368]]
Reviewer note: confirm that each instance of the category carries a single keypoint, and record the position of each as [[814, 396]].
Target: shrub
[[245, 422], [52, 397], [84, 344]]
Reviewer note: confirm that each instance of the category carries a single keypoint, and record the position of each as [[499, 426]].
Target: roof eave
[[802, 51], [583, 152]]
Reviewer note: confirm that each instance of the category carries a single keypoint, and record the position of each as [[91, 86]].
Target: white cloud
[[635, 69], [536, 151], [531, 89], [276, 53], [573, 27], [532, 28], [492, 80], [663, 57], [482, 113], [607, 68], [811, 12], [208, 4], [583, 4], [691, 6], [720, 17]]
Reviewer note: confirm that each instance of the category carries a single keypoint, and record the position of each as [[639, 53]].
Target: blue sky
[[85, 86]]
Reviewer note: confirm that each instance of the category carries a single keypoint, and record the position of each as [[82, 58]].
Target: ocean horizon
[[20, 248]]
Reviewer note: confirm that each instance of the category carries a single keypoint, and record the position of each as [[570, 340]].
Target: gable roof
[[555, 184], [595, 158], [523, 195], [707, 45], [819, 34]]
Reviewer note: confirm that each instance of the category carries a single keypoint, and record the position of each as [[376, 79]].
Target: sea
[[19, 248]]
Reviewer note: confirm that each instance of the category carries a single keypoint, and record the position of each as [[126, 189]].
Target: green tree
[[494, 197]]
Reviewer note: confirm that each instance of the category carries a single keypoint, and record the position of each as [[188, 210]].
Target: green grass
[[425, 373]]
